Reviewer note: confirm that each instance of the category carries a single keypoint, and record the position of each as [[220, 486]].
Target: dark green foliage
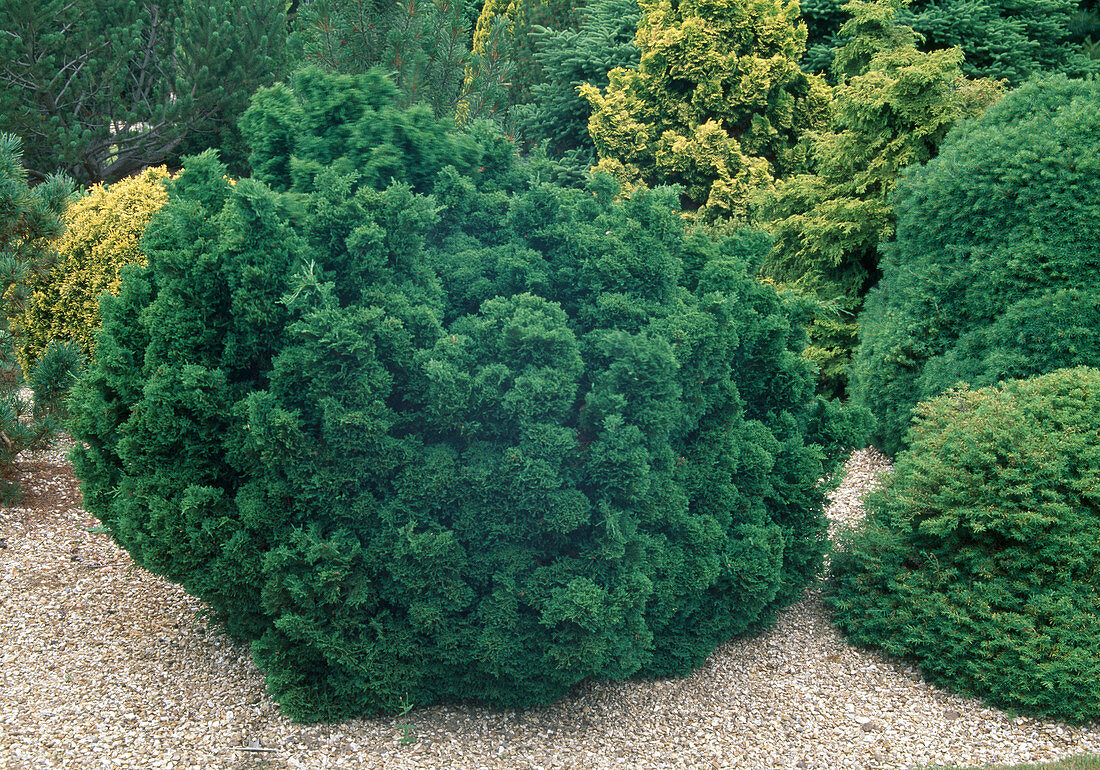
[[354, 124], [980, 557], [31, 219], [997, 259], [558, 114], [476, 444], [823, 19], [533, 15], [103, 88], [1006, 39], [1084, 28], [423, 46]]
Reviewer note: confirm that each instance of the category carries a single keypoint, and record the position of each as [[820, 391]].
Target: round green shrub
[[485, 440], [996, 265], [980, 555]]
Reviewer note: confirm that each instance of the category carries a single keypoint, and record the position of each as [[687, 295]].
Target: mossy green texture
[[995, 271], [102, 234], [980, 555], [485, 440]]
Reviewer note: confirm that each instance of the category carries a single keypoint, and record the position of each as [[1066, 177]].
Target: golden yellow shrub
[[103, 233]]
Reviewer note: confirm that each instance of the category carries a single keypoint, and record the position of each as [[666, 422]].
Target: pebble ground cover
[[105, 665]]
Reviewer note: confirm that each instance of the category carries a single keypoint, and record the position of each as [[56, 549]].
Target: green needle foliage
[[423, 46], [891, 108], [1004, 39], [1001, 39], [31, 221], [823, 19], [994, 270], [980, 557], [458, 435], [558, 114], [103, 88], [718, 103]]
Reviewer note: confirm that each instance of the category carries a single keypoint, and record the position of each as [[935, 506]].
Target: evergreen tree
[[1084, 29], [504, 67], [718, 103], [993, 273], [558, 114], [423, 46], [355, 124], [1004, 39], [823, 18], [102, 234], [31, 220], [103, 88], [891, 109], [488, 90], [978, 555], [534, 15], [1001, 39]]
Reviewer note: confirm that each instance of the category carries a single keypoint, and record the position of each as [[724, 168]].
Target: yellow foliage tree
[[103, 233], [718, 103]]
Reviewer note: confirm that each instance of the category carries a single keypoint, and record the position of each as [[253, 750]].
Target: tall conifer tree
[[557, 113], [423, 46], [103, 88]]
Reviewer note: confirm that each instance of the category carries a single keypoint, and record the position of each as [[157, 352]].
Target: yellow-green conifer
[[103, 232], [718, 103], [892, 107]]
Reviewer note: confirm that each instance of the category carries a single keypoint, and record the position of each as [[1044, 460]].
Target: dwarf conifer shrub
[[473, 444], [996, 264], [980, 556], [102, 233]]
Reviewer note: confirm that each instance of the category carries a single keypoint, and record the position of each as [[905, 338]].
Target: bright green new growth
[[892, 107], [718, 103], [979, 557], [102, 233], [994, 272], [486, 442]]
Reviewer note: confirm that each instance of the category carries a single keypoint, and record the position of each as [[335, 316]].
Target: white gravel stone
[[104, 665]]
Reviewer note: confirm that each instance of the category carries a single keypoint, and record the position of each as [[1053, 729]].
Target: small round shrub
[[103, 230], [996, 265], [479, 442], [980, 555]]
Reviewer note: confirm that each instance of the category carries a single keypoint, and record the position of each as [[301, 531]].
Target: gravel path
[[105, 665]]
